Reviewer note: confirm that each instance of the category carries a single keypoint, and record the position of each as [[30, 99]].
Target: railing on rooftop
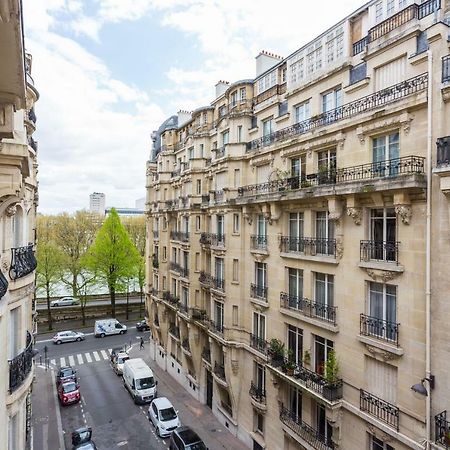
[[443, 151], [379, 408], [356, 107], [370, 171], [379, 329], [446, 69]]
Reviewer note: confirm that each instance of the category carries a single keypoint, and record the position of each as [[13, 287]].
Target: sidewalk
[[192, 412]]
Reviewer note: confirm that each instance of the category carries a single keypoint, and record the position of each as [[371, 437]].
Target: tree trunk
[[128, 298], [83, 310], [112, 293], [49, 311], [140, 304], [74, 286]]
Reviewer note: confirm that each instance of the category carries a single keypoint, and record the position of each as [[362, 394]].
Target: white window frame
[[302, 111]]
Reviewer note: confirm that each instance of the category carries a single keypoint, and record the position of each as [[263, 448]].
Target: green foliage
[[332, 368], [276, 348]]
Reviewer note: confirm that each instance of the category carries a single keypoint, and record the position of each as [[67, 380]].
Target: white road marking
[[80, 358], [58, 416], [104, 354], [62, 361], [71, 360], [109, 350], [88, 357], [96, 356], [53, 361]]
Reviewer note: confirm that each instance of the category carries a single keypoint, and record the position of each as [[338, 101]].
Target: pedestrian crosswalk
[[82, 358]]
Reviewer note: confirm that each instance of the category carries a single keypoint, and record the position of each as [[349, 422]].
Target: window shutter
[[390, 74]]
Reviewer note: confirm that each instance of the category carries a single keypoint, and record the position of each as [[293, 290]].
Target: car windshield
[[167, 414], [69, 387], [67, 372], [145, 383], [196, 446]]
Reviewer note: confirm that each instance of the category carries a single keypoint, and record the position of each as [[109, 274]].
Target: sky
[[109, 72]]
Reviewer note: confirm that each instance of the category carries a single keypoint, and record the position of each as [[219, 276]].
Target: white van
[[107, 327], [139, 380]]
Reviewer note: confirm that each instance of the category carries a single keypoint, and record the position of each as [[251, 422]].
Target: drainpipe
[[428, 250]]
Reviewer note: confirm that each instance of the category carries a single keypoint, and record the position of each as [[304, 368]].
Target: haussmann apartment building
[[18, 200], [299, 240]]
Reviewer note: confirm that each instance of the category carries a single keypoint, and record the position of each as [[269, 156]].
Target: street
[[106, 405], [40, 306]]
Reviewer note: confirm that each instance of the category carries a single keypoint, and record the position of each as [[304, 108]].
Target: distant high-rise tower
[[97, 203]]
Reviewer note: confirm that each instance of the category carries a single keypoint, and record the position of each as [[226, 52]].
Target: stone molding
[[405, 213], [355, 213]]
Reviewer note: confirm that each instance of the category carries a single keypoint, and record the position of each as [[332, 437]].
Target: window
[[381, 379], [377, 444], [295, 284], [261, 274], [298, 171], [235, 270], [220, 225], [324, 295], [259, 423], [242, 93], [199, 187], [14, 333], [237, 177], [225, 137], [259, 326], [201, 155], [296, 243], [219, 267], [197, 223], [261, 226], [332, 99], [197, 261], [402, 4], [322, 348], [324, 429], [164, 255], [379, 12], [259, 376], [186, 224], [233, 100], [383, 234], [184, 297], [267, 126], [235, 223], [385, 154], [283, 75], [191, 153], [235, 315], [164, 283], [239, 133], [222, 111], [218, 315], [13, 429], [295, 403], [302, 112], [325, 243], [383, 309], [326, 166], [390, 7], [295, 343], [391, 73]]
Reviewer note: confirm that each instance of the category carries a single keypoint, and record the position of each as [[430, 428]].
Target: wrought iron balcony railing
[[360, 45], [258, 343], [181, 236], [218, 283], [21, 365], [174, 330], [258, 291], [170, 204], [205, 199], [199, 314], [220, 152], [216, 326], [372, 101], [308, 246], [308, 307], [218, 196], [442, 429], [258, 393], [331, 391], [205, 278], [155, 234], [379, 408], [183, 271], [217, 240], [389, 168], [443, 151], [185, 344], [446, 69], [219, 370], [386, 251], [3, 284], [379, 328], [23, 262], [309, 434], [170, 298], [258, 242], [206, 354]]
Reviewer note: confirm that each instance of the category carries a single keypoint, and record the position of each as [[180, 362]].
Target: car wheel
[[78, 339], [158, 433], [121, 332], [58, 342], [102, 335], [56, 305]]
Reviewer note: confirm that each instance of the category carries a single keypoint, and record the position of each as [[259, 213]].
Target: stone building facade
[[18, 200], [298, 239]]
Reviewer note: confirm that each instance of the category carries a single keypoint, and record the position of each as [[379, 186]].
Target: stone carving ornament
[[356, 214], [382, 275], [11, 210], [405, 213]]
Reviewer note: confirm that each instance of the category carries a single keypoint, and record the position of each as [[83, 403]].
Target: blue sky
[[110, 71]]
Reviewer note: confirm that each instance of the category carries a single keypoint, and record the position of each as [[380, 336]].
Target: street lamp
[[420, 389]]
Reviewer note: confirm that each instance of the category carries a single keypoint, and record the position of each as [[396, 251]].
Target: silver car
[[64, 301], [67, 336]]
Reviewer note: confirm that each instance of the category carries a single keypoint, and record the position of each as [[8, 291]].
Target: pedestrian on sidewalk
[[141, 346]]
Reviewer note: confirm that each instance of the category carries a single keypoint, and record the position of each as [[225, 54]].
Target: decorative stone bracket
[[355, 212], [405, 213], [382, 275]]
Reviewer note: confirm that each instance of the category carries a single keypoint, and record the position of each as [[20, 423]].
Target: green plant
[[332, 368], [289, 362], [307, 357], [306, 184], [276, 348]]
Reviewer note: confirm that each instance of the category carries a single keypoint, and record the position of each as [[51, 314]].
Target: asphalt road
[[105, 405], [132, 300]]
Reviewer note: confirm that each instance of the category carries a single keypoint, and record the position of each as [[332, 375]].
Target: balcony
[[443, 151], [199, 314], [206, 279], [219, 370], [155, 234], [181, 236], [389, 170], [258, 291], [379, 329], [3, 284], [216, 240], [313, 382], [259, 343], [175, 173], [386, 251], [182, 271], [215, 327], [308, 246], [174, 330], [379, 408], [359, 46], [258, 242], [170, 204], [170, 298], [368, 103], [218, 196], [23, 262], [186, 347], [218, 283], [155, 262], [305, 431], [205, 199], [278, 89], [309, 308], [206, 355], [220, 152], [21, 365], [442, 429], [257, 393], [446, 69]]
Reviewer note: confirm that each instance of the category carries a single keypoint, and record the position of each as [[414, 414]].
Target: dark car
[[68, 393], [185, 438], [81, 439], [66, 373], [142, 326]]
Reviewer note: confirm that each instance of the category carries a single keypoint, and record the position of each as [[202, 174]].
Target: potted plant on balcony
[[307, 358], [332, 380], [281, 177], [276, 352], [289, 363]]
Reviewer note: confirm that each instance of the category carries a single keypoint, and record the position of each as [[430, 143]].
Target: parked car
[[163, 416], [185, 438], [106, 327], [64, 301], [82, 439], [68, 336], [68, 393], [118, 360], [65, 374], [142, 326]]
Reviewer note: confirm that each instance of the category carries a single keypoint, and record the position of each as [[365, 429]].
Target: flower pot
[[290, 371]]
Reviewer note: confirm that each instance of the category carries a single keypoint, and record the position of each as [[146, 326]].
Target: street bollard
[[46, 358]]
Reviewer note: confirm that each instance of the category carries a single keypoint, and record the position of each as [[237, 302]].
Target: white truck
[[108, 327], [139, 380]]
